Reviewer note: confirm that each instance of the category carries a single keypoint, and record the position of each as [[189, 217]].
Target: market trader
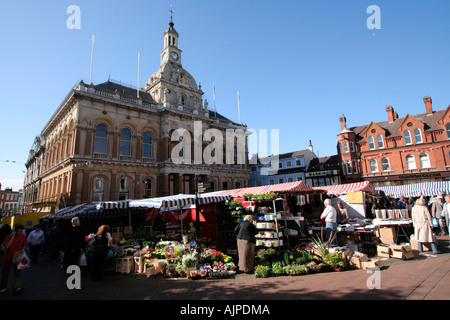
[[330, 214]]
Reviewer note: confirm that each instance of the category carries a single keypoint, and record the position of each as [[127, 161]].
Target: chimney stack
[[428, 106], [391, 113], [310, 146], [343, 121]]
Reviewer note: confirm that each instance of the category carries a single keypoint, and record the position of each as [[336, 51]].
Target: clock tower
[[172, 85], [171, 52]]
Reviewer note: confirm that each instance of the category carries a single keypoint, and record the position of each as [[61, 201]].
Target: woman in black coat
[[100, 254], [246, 232]]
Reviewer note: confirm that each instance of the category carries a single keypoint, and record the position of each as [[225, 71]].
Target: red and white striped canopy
[[349, 187], [296, 186], [69, 212]]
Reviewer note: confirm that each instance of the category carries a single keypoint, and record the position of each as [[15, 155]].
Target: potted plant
[[181, 270], [171, 270], [335, 261], [299, 269], [262, 271], [163, 267], [277, 270]]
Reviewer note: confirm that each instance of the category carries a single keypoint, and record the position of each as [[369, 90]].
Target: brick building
[[397, 151]]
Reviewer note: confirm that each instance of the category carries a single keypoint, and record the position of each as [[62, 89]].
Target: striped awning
[[427, 189], [69, 212], [296, 186], [180, 200], [349, 187], [121, 204]]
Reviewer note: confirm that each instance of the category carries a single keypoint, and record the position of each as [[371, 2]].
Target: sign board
[[355, 197], [203, 187]]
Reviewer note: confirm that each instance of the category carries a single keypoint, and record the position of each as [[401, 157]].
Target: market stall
[[178, 210], [353, 195], [427, 189]]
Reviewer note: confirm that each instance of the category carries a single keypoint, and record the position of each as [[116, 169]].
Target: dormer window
[[371, 143], [407, 137], [418, 136], [447, 128], [380, 141]]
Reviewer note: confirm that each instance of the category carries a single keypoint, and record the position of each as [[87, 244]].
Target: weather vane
[[171, 11]]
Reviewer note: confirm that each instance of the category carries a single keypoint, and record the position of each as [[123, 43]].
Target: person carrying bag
[[15, 245]]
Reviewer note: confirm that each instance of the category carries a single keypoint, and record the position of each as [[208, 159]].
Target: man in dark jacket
[[246, 240], [74, 244]]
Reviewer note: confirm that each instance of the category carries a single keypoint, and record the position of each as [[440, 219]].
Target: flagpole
[[239, 107], [214, 98], [138, 76], [92, 57]]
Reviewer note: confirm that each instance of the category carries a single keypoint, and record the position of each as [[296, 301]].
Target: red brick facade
[[398, 151]]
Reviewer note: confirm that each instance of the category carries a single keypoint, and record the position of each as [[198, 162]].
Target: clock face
[[164, 57], [175, 55]]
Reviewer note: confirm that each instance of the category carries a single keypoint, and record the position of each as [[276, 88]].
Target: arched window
[[373, 165], [410, 162], [380, 141], [147, 144], [101, 138], [385, 166], [418, 136], [125, 142], [371, 143], [407, 137], [424, 160]]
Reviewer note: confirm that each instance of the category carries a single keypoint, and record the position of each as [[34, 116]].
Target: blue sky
[[298, 65]]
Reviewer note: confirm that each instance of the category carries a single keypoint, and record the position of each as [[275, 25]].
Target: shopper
[[401, 203], [445, 214], [436, 211], [423, 225], [246, 240], [99, 256], [74, 244], [15, 244], [35, 241], [329, 215], [342, 214]]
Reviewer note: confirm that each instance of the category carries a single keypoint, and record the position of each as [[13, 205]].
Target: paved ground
[[426, 277]]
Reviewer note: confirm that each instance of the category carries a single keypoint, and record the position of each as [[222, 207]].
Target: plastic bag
[[83, 260], [435, 222], [24, 262]]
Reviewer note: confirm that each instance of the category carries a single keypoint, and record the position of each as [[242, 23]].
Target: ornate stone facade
[[112, 142]]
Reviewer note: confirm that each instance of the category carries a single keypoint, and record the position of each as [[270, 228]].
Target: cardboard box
[[387, 235], [403, 252], [362, 256], [375, 263], [354, 262], [383, 251]]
